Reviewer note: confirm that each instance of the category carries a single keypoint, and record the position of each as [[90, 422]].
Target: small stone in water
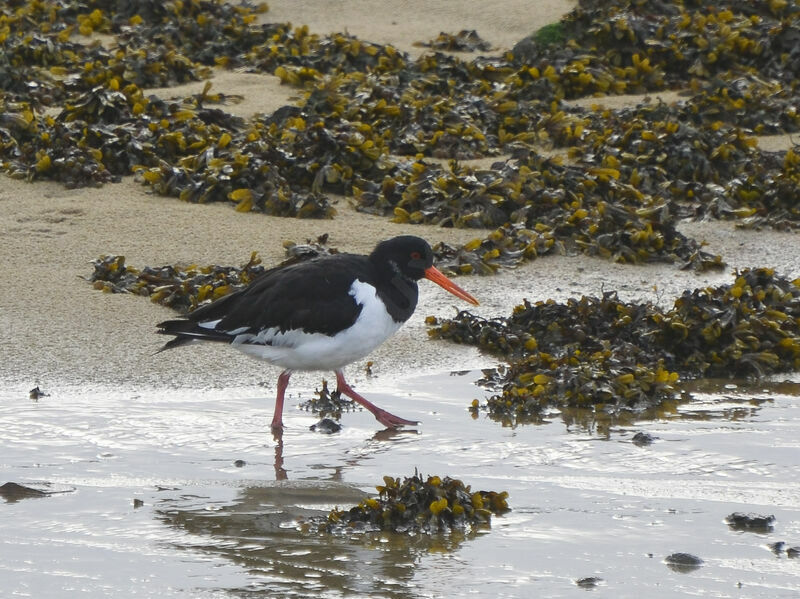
[[326, 426], [750, 522], [36, 393], [643, 439], [683, 562]]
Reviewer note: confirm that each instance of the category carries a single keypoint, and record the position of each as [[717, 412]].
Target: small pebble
[[777, 547], [683, 562], [643, 439], [36, 393], [326, 426], [589, 582]]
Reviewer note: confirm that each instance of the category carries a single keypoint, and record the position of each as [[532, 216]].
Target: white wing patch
[[299, 350], [238, 331]]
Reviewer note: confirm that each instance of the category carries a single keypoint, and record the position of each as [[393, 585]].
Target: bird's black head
[[407, 259], [406, 255]]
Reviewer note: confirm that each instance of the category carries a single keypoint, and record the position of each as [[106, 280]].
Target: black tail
[[186, 331], [177, 342]]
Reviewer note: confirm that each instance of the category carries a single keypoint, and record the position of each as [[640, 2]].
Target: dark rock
[[36, 393], [326, 426], [750, 522], [777, 548], [589, 582], [643, 439], [13, 492], [683, 562]]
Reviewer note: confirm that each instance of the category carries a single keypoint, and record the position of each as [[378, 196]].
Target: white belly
[[297, 350]]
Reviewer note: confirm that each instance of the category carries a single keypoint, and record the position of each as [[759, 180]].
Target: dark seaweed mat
[[616, 357], [185, 287], [668, 153], [180, 287], [418, 505], [365, 105], [551, 206]]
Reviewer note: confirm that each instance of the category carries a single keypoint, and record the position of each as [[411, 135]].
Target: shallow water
[[586, 501]]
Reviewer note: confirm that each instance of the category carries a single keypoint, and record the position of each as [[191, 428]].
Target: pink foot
[[387, 419], [390, 420]]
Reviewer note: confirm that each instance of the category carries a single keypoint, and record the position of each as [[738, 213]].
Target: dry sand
[[403, 24], [59, 332]]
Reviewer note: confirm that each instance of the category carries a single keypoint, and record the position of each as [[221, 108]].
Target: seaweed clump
[[371, 121], [419, 505], [616, 357], [185, 287], [327, 404], [540, 205], [181, 287]]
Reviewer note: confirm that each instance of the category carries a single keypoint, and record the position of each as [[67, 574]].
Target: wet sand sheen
[[221, 503]]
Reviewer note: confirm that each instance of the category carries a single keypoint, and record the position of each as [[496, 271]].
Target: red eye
[[416, 255]]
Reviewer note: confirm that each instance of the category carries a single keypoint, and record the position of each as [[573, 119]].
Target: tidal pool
[[184, 493]]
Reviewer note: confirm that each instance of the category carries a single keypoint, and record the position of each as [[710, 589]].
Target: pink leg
[[385, 418], [277, 418]]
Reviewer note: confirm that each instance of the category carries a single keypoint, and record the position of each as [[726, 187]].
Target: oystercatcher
[[321, 314]]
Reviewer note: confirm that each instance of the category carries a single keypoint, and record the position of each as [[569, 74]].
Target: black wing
[[312, 296]]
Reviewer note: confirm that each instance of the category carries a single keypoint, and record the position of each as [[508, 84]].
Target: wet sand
[[220, 502]]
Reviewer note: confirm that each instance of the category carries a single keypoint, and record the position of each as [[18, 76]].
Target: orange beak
[[434, 274]]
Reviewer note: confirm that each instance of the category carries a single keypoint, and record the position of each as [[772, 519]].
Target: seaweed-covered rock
[[419, 505], [614, 356]]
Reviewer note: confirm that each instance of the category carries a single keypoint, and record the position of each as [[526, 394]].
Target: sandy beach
[[59, 331], [157, 474]]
